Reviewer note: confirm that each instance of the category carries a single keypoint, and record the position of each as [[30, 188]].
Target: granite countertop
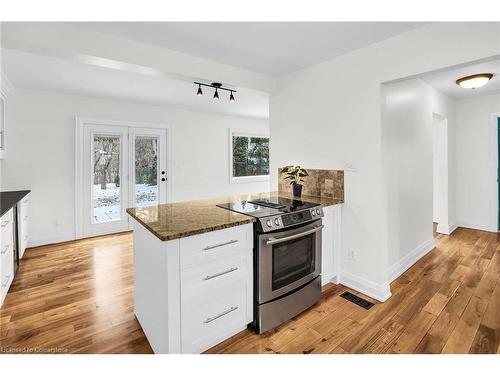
[[176, 220], [9, 199]]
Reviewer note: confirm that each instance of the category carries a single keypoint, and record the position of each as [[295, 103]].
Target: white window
[[248, 157]]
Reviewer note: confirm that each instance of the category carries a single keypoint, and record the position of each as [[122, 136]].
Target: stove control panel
[[272, 223]]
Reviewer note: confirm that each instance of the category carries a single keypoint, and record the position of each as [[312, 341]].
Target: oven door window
[[293, 260]]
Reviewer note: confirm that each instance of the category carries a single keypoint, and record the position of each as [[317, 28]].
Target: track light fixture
[[217, 86]]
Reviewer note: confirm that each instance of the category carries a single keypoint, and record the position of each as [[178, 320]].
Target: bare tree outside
[[106, 189], [107, 180], [146, 170]]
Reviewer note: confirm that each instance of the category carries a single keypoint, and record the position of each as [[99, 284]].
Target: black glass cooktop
[[268, 206]]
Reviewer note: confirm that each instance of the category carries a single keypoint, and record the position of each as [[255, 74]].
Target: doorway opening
[[440, 173], [118, 165]]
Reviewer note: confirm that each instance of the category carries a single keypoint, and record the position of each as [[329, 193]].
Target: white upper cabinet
[[5, 87]]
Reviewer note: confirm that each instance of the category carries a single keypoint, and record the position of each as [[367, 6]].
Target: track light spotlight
[[231, 97], [199, 92], [216, 95]]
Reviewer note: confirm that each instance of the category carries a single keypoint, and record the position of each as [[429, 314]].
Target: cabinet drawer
[[6, 218], [6, 262], [206, 278], [6, 222], [6, 237], [207, 247], [213, 317], [4, 287], [5, 251]]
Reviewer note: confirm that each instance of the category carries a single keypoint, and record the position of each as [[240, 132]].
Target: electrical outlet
[[351, 253]]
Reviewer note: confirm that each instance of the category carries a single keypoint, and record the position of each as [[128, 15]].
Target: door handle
[[273, 240], [219, 245], [220, 273], [211, 319]]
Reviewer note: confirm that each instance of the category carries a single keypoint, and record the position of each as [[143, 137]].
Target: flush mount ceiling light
[[474, 81], [217, 86]]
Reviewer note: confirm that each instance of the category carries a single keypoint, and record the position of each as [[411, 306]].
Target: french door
[[122, 167]]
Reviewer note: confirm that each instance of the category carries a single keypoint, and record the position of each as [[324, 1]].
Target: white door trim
[[494, 172], [79, 137], [442, 164]]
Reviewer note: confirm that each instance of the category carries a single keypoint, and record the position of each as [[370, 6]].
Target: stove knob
[[313, 213], [277, 221], [269, 223], [318, 212]]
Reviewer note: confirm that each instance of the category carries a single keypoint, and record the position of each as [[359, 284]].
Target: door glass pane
[[292, 260], [146, 171], [106, 192]]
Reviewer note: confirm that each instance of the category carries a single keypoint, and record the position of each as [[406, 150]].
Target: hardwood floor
[[75, 297], [78, 298], [448, 302]]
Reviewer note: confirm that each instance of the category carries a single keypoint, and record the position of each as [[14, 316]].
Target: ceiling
[[33, 71], [274, 48], [444, 81]]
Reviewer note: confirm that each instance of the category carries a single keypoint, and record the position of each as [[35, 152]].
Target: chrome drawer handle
[[6, 247], [220, 273], [5, 223], [273, 240], [219, 245], [208, 320]]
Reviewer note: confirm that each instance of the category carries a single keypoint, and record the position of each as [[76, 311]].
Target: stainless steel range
[[287, 257]]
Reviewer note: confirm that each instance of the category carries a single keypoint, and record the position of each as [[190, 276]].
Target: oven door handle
[[273, 240]]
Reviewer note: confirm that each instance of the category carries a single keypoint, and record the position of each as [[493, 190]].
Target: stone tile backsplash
[[319, 183]]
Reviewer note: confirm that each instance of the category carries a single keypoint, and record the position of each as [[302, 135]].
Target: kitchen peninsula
[[193, 269]]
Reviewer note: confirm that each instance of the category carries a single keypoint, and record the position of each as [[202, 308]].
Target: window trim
[[244, 179]]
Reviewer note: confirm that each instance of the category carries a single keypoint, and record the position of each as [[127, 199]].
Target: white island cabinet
[[194, 292]]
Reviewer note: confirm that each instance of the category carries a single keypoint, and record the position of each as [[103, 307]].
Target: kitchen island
[[193, 270]]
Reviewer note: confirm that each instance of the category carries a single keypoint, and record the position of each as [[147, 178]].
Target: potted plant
[[295, 175]]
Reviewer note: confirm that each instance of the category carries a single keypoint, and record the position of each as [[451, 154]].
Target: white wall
[[41, 155], [410, 108], [329, 115], [476, 191]]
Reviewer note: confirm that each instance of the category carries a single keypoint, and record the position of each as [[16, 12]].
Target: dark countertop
[[9, 199], [183, 219]]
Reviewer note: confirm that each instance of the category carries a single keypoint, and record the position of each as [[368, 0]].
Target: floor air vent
[[357, 300]]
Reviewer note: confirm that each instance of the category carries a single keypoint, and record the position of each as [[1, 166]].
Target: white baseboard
[[410, 259], [471, 225], [452, 228], [49, 240], [446, 229], [381, 292]]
